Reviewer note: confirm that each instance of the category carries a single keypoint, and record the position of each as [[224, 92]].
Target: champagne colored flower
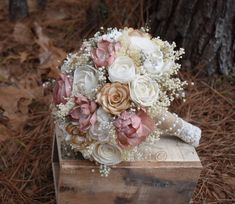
[[114, 98], [107, 153], [105, 53], [122, 70], [83, 114], [144, 90], [62, 89], [132, 129]]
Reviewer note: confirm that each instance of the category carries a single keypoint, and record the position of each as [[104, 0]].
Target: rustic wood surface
[[170, 180], [127, 185]]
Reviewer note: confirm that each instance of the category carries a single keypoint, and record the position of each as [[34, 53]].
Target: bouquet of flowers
[[112, 97]]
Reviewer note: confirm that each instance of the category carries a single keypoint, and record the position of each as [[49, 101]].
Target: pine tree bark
[[205, 28], [18, 9], [42, 4]]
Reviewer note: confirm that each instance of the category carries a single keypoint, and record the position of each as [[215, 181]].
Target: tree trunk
[[204, 28], [42, 4], [18, 9]]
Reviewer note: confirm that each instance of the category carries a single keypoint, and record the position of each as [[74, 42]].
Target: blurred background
[[36, 35]]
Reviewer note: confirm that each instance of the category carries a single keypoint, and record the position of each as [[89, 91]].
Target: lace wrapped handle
[[171, 124]]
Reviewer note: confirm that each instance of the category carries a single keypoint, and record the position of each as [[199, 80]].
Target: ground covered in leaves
[[30, 52]]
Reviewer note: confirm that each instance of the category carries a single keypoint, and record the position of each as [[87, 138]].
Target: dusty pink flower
[[105, 53], [62, 89], [84, 113], [132, 129]]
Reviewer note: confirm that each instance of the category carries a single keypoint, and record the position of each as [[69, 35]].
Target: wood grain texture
[[167, 181], [156, 185]]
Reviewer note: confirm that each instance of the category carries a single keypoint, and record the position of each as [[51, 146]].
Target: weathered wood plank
[[159, 185], [170, 180]]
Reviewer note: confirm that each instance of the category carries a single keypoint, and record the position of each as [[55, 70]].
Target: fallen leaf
[[229, 180], [16, 100], [15, 104], [23, 56], [22, 34], [32, 82], [50, 56], [5, 133], [3, 78], [23, 104], [32, 5]]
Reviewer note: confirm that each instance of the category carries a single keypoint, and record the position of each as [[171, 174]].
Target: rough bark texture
[[206, 29], [18, 9], [42, 4]]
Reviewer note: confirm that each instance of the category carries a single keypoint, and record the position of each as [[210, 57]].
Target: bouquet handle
[[170, 124]]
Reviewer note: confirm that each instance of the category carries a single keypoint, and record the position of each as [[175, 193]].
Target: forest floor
[[30, 52]]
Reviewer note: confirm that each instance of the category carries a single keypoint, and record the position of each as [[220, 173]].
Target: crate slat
[[171, 180]]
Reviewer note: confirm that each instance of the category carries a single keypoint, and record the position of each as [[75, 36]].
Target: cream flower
[[153, 62], [85, 81], [100, 130], [144, 44], [106, 153], [155, 65], [144, 90], [122, 70]]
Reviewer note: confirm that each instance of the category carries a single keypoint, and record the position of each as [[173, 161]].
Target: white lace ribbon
[[173, 125]]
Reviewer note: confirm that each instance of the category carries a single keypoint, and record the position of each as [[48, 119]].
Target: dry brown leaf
[[17, 99], [5, 133], [10, 58], [50, 56], [23, 56], [13, 97], [229, 180], [22, 34], [32, 5], [32, 82], [1, 46], [3, 78]]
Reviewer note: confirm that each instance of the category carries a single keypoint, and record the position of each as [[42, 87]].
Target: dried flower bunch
[[109, 92]]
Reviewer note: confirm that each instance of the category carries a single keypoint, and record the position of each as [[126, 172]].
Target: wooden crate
[[170, 180]]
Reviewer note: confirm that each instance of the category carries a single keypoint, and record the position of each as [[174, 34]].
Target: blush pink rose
[[132, 129], [62, 89], [84, 113], [105, 53]]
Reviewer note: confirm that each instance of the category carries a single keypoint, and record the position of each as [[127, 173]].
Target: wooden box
[[170, 180]]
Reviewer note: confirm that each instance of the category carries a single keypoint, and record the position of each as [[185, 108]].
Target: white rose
[[85, 80], [122, 70], [144, 90], [145, 44], [105, 153], [100, 130], [155, 65]]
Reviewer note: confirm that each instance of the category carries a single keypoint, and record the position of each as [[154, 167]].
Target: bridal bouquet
[[113, 95]]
